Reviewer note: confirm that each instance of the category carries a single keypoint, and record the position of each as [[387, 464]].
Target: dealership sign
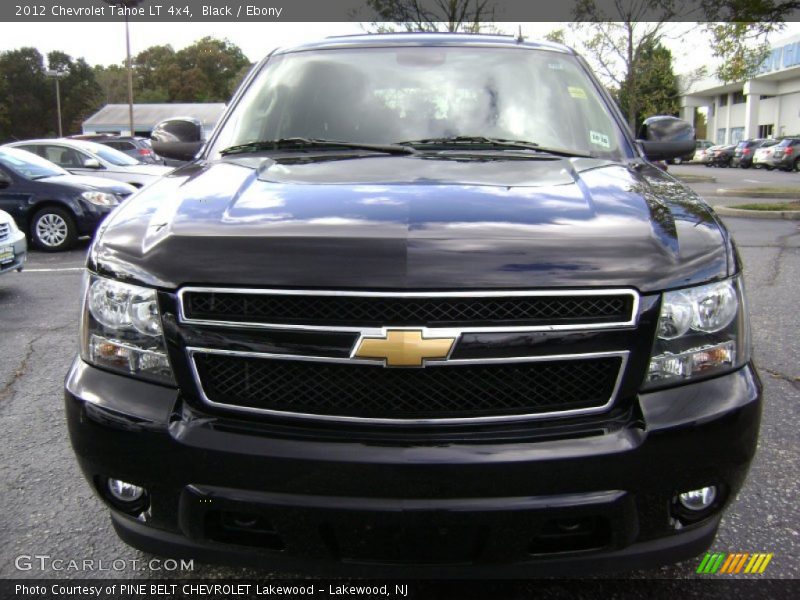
[[782, 57]]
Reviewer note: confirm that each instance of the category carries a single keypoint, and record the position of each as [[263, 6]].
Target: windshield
[[393, 95], [110, 155], [29, 165]]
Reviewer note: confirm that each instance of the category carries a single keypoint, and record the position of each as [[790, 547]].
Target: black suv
[[420, 305], [786, 155]]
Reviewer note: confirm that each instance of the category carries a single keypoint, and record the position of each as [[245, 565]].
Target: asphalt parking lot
[[48, 509]]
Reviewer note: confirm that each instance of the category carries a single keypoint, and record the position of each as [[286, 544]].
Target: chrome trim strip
[[375, 331], [623, 355]]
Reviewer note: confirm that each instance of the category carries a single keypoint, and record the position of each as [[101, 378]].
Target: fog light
[[698, 500], [124, 491]]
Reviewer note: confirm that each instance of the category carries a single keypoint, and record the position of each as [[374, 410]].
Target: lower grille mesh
[[453, 391]]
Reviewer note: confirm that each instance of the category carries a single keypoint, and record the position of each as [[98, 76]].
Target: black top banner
[[183, 11]]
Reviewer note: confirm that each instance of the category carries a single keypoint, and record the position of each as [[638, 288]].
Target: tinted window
[[385, 95], [63, 156], [114, 157], [28, 165]]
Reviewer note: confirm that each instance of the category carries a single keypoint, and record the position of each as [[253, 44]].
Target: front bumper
[[18, 243], [357, 505]]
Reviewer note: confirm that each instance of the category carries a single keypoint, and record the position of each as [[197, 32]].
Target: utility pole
[[127, 4], [57, 74]]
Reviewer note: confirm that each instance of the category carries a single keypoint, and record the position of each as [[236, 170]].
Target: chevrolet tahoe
[[420, 305]]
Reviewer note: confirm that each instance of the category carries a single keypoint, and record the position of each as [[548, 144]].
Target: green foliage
[[27, 97], [743, 46], [207, 71], [651, 87]]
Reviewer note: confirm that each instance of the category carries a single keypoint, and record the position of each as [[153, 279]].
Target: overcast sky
[[104, 43]]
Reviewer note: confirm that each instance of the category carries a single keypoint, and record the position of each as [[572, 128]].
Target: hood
[[91, 183], [415, 222], [151, 170]]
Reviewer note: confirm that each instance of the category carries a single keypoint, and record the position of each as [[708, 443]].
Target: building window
[[721, 136], [723, 100], [739, 98], [765, 131], [737, 133]]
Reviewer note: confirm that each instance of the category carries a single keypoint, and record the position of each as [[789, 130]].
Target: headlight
[[121, 330], [100, 198], [12, 226], [702, 331]]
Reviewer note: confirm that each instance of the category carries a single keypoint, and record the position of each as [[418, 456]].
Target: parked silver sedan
[[80, 157], [13, 247]]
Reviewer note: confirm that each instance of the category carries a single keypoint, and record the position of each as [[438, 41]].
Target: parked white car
[[13, 247], [762, 159], [88, 158]]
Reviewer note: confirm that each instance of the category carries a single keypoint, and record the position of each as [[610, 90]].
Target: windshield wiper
[[303, 143], [479, 140]]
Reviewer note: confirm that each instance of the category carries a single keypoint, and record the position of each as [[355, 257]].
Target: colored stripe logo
[[738, 562]]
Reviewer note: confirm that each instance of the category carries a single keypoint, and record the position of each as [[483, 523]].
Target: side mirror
[[91, 163], [5, 181], [180, 138], [665, 137]]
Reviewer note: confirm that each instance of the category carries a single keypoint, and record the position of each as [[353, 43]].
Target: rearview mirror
[[665, 137], [180, 138], [91, 163]]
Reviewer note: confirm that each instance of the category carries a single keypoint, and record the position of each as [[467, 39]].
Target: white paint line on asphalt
[[52, 270]]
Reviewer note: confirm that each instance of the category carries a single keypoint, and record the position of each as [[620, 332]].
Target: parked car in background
[[743, 153], [136, 147], [89, 158], [13, 247], [762, 157], [700, 155], [720, 156], [786, 155], [708, 154], [49, 204]]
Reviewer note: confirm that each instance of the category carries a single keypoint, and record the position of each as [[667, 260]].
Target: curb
[[726, 211], [695, 178], [745, 193]]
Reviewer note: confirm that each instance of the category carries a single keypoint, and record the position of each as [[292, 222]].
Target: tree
[[207, 71], [615, 43], [28, 100], [654, 89], [113, 82], [154, 72], [431, 15], [81, 95], [614, 40]]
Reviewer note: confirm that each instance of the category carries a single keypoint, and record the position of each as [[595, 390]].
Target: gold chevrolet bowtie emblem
[[404, 348]]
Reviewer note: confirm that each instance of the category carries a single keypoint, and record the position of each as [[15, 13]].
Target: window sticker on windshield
[[556, 66], [577, 92], [599, 139]]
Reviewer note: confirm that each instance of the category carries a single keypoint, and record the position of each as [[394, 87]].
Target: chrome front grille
[[355, 387], [5, 230], [463, 390]]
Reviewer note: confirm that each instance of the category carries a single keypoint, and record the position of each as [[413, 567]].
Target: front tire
[[53, 229]]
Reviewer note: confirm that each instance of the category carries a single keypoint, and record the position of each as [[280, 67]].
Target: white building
[[766, 106]]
